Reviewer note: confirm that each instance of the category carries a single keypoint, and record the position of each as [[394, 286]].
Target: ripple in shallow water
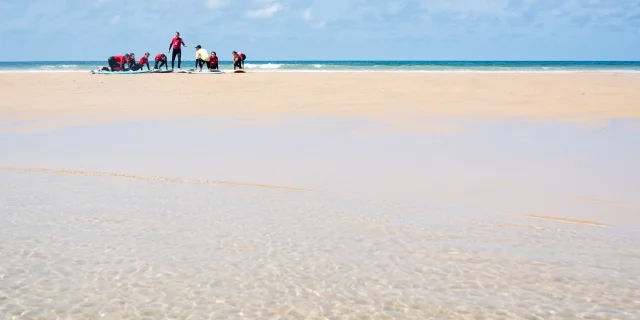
[[85, 247]]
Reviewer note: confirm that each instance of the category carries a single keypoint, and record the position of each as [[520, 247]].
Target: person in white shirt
[[202, 57]]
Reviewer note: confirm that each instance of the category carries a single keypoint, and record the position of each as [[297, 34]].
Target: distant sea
[[360, 66]]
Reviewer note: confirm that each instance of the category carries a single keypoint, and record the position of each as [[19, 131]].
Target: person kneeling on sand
[[162, 59], [202, 57], [238, 60], [213, 61]]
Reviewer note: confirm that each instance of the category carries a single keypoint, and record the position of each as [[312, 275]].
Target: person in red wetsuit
[[131, 62], [144, 60], [213, 61], [175, 44], [238, 60], [117, 63], [162, 59]]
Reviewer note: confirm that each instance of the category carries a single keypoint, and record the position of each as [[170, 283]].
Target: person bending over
[[213, 61], [238, 60], [144, 60], [202, 57], [162, 59], [177, 50]]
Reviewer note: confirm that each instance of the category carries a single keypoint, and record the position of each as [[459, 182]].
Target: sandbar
[[57, 99]]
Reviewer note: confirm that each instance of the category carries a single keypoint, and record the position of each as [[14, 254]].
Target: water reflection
[[411, 226], [510, 167]]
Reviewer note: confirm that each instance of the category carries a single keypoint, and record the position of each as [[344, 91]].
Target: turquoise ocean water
[[346, 66]]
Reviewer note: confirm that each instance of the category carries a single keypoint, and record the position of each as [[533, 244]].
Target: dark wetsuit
[[143, 61], [177, 51], [213, 63], [116, 63], [162, 61], [239, 61]]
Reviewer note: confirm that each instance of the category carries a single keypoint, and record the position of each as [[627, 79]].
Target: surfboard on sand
[[166, 71], [122, 72], [238, 71]]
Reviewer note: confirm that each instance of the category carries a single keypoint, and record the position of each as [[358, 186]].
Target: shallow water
[[503, 167], [379, 233]]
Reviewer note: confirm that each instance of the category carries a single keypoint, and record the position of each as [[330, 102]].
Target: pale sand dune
[[78, 98]]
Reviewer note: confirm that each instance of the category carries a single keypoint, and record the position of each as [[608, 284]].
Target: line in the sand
[[566, 220], [152, 178], [604, 202]]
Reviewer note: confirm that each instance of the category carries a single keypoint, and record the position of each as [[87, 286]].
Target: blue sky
[[325, 29]]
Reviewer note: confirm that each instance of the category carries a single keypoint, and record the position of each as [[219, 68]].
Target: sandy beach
[[396, 98], [320, 195]]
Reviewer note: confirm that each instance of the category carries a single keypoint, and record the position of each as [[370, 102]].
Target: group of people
[[127, 62]]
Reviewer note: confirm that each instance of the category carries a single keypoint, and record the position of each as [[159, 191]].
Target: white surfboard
[[206, 72]]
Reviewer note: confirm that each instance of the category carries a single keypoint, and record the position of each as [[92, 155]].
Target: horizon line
[[358, 60]]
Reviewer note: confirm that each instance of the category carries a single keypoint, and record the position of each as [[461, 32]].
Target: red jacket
[[121, 62], [160, 58], [175, 43]]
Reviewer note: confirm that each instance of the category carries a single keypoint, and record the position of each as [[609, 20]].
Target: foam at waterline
[[444, 71], [43, 71], [263, 66], [64, 66]]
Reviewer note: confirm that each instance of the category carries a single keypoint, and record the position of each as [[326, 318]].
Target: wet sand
[[330, 196]]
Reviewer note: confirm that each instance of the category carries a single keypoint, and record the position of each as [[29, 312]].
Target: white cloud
[[307, 15], [319, 25], [266, 12], [215, 4], [115, 19]]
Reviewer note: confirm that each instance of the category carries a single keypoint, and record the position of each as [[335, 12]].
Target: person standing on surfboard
[[177, 50], [213, 61], [238, 60], [202, 57], [162, 59]]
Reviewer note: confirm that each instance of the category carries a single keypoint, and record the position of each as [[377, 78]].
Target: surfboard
[[165, 71], [206, 72], [181, 71], [238, 71], [122, 72]]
